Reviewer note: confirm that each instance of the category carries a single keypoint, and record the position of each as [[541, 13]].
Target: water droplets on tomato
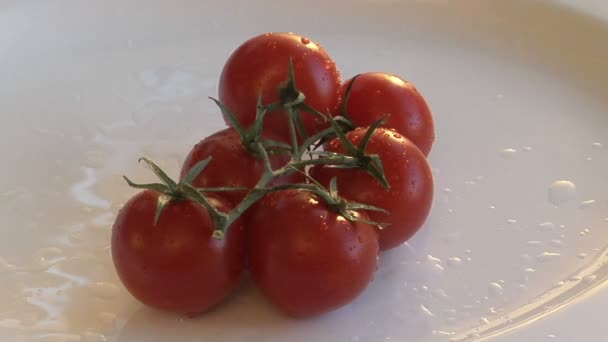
[[305, 40]]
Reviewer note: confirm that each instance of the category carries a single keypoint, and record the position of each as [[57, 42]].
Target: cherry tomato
[[374, 95], [410, 197], [261, 65], [306, 258], [176, 264], [231, 164]]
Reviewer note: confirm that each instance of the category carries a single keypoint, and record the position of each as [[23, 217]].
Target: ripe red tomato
[[411, 195], [375, 94], [306, 258], [176, 264], [232, 165], [261, 65]]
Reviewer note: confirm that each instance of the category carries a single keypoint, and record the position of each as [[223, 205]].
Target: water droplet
[[590, 279], [558, 285], [104, 220], [438, 267], [529, 270], [526, 149], [484, 320], [587, 204], [557, 243], [547, 256], [511, 221], [508, 152], [40, 264], [551, 336], [440, 293], [581, 255], [454, 261], [561, 192], [584, 232], [104, 290], [496, 289], [597, 145], [433, 259], [546, 226], [534, 243], [93, 337], [575, 278], [492, 207], [82, 191], [305, 40], [426, 311]]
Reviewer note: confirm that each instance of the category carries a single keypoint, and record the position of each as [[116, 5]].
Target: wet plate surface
[[520, 220]]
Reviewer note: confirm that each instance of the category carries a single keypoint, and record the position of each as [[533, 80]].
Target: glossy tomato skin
[[231, 165], [410, 197], [261, 65], [176, 265], [305, 258], [376, 94]]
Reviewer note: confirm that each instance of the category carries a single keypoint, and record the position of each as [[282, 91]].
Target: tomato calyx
[[331, 197], [253, 135], [292, 101], [370, 163], [173, 191]]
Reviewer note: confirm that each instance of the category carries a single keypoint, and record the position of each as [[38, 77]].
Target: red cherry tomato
[[374, 95], [261, 65], [231, 165], [306, 258], [410, 198], [176, 264]]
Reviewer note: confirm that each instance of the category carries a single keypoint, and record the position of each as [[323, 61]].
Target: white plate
[[519, 93]]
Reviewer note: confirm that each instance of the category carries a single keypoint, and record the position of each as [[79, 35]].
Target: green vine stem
[[292, 102]]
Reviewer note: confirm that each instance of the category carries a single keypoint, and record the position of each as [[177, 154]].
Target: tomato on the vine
[[306, 258], [231, 164], [410, 197], [374, 95], [176, 264], [261, 65]]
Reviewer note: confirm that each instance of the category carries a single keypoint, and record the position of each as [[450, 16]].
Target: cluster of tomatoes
[[313, 178]]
